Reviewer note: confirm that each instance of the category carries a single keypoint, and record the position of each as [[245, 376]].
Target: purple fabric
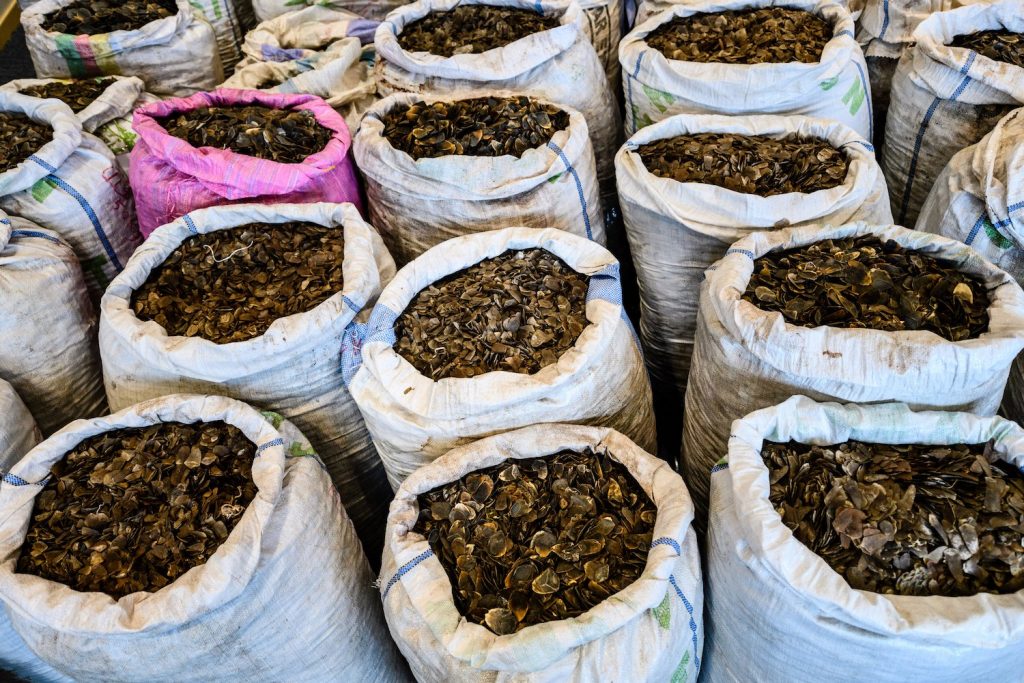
[[170, 177], [273, 53], [363, 29]]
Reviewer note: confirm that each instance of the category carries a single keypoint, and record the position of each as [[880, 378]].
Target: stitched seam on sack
[[579, 186], [84, 203], [190, 224], [746, 252], [693, 624], [904, 205], [671, 542], [33, 233], [405, 569]]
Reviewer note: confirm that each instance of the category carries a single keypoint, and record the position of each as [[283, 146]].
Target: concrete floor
[[14, 59]]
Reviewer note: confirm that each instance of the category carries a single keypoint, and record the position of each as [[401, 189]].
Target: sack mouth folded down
[[498, 64], [464, 177], [202, 588], [239, 176], [972, 621], [117, 99], [682, 201], [549, 642], [846, 354], [304, 32], [67, 137], [454, 398]]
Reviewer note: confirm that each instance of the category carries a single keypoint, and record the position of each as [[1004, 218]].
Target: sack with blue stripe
[[48, 326], [651, 631], [602, 24], [656, 87], [676, 230], [558, 65], [109, 116], [419, 203], [745, 358], [945, 99], [175, 56], [18, 434], [979, 200], [649, 8], [413, 419], [341, 73], [74, 187], [288, 596], [294, 368], [778, 612]]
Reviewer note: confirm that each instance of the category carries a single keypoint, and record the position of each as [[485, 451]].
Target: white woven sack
[[559, 65], [837, 88], [287, 596], [778, 612], [649, 8], [676, 230], [230, 20], [895, 22], [18, 434], [50, 353], [944, 99], [173, 56], [419, 203], [303, 33], [600, 381], [649, 631], [342, 74], [293, 368], [602, 24], [375, 10], [745, 358], [74, 187], [109, 116]]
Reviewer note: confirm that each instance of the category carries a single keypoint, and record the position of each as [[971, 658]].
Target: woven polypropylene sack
[[649, 631], [836, 87], [413, 419], [419, 203], [171, 177], [745, 358], [676, 230], [287, 596], [375, 10], [230, 20], [342, 74], [777, 612], [304, 33], [73, 186], [175, 55], [602, 24], [558, 65], [50, 353], [294, 368], [109, 116], [944, 99]]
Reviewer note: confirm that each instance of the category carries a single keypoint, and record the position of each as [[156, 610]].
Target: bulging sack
[[559, 65], [763, 582], [50, 354], [230, 20], [650, 631], [677, 230], [746, 358], [109, 116], [602, 23], [301, 34], [342, 75], [375, 10], [287, 596], [945, 99], [74, 187], [174, 56], [649, 8], [419, 203], [837, 88], [413, 419], [171, 177], [294, 368]]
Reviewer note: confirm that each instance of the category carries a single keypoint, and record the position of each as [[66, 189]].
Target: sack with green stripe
[[550, 186], [74, 187], [50, 355], [944, 99], [174, 56], [651, 631], [109, 116], [836, 87]]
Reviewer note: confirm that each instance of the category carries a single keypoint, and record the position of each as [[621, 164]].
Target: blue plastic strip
[[35, 233], [719, 467], [746, 252], [273, 442], [405, 569], [975, 229], [885, 20], [671, 542], [15, 480], [693, 624], [190, 224], [579, 187], [84, 203]]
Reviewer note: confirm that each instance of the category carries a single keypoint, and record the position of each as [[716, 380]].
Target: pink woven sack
[[170, 177]]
